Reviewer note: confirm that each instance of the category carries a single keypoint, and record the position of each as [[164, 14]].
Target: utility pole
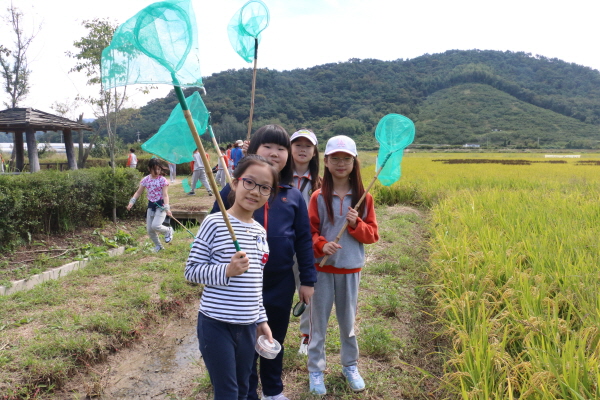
[[138, 134]]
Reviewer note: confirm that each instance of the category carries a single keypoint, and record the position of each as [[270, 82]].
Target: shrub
[[53, 201]]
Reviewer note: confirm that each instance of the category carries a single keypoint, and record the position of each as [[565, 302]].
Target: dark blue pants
[[228, 352], [277, 299]]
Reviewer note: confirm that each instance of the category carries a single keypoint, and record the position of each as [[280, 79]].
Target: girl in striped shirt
[[231, 313]]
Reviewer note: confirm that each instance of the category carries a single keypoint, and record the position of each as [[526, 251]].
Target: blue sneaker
[[316, 381], [354, 379]]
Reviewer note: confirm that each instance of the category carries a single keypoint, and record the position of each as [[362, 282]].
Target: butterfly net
[[158, 45], [245, 26], [394, 133], [173, 141]]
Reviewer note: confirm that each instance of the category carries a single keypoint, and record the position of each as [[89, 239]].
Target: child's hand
[[264, 329], [245, 147], [238, 265], [351, 217], [129, 206], [305, 293], [331, 248]]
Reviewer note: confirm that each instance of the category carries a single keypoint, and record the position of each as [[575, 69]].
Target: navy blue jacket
[[288, 233]]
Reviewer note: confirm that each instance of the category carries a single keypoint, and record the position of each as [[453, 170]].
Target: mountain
[[460, 96]]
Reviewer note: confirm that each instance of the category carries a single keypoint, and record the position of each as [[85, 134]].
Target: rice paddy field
[[514, 270]]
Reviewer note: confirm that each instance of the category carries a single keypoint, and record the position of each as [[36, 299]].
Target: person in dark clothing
[[285, 219]]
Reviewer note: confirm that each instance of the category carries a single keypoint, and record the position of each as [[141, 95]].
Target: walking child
[[285, 219], [158, 203], [199, 174], [306, 179], [232, 313], [338, 280]]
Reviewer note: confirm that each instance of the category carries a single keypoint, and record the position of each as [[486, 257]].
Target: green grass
[[63, 325], [395, 338]]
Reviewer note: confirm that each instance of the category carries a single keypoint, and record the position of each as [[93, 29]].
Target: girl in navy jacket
[[285, 219]]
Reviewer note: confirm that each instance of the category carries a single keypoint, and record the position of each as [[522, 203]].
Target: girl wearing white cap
[[338, 280], [306, 179]]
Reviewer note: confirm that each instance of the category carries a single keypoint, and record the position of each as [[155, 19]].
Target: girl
[[285, 219], [231, 313], [158, 203], [306, 179], [338, 279]]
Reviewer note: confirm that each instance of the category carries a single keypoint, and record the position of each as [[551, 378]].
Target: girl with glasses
[[232, 313]]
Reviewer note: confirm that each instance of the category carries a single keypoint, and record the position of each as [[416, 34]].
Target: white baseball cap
[[239, 143], [306, 134], [341, 143]]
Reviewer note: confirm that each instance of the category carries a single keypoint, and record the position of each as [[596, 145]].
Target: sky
[[306, 33]]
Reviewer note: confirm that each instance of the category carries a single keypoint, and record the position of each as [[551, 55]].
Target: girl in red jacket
[[338, 280]]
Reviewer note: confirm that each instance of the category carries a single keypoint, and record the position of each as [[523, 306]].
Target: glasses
[[341, 160], [249, 185]]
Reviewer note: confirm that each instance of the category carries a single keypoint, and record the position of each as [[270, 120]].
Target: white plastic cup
[[266, 349]]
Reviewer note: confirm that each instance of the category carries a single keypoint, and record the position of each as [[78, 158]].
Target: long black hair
[[278, 135]]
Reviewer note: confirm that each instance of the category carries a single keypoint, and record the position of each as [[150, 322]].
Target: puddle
[[164, 366]]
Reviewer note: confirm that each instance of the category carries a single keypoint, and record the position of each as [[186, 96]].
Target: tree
[[108, 102], [16, 73]]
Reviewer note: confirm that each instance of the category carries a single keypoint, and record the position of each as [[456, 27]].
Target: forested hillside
[[475, 96]]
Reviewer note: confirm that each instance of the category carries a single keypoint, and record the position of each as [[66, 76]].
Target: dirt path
[[165, 365]]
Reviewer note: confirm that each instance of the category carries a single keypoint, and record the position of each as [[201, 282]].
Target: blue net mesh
[[245, 26], [158, 45], [173, 141], [394, 133]]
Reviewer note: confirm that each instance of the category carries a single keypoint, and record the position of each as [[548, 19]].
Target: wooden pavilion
[[30, 121]]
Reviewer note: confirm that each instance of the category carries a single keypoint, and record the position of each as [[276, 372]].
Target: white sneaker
[[169, 235], [157, 249], [303, 351], [280, 396]]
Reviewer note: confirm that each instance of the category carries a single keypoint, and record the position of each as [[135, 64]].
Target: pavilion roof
[[20, 119]]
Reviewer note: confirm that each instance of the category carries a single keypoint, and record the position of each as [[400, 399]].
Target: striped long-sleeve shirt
[[237, 299]]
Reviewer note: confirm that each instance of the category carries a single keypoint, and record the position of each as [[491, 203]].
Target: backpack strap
[[303, 186]]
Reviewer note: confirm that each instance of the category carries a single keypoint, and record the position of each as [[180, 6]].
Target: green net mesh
[[394, 133], [186, 185], [246, 25], [173, 141], [158, 45]]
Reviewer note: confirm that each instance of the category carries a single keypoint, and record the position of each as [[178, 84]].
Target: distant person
[[132, 159], [199, 174], [236, 153], [172, 171], [229, 160], [223, 163], [158, 203], [1, 163]]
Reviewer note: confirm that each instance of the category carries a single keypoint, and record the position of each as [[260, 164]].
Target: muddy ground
[[164, 365]]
